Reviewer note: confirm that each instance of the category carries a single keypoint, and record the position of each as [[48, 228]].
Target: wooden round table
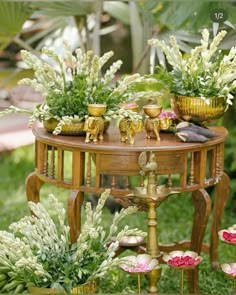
[[186, 167]]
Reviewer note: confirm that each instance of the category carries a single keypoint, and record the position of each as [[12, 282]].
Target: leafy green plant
[[38, 251], [73, 82], [205, 72]]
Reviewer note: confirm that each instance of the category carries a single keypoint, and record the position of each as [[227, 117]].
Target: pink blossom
[[229, 269], [183, 261], [140, 267], [141, 263], [168, 114], [229, 237]]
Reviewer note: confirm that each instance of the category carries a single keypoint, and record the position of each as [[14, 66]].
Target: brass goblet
[[152, 110], [96, 109]]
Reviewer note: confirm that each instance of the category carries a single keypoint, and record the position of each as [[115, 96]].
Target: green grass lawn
[[174, 224]]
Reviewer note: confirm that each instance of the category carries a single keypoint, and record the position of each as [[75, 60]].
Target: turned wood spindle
[[191, 176], [88, 176], [52, 163]]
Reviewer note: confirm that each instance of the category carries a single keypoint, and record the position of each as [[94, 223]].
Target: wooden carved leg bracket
[[221, 195], [75, 202], [202, 205], [32, 187]]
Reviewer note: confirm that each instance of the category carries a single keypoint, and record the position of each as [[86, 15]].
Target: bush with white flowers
[[38, 252], [71, 82], [205, 72]]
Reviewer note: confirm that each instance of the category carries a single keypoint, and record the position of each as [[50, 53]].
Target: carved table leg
[[32, 187], [221, 195], [75, 202], [202, 205]]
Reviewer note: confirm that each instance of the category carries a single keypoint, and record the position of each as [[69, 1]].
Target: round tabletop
[[169, 141]]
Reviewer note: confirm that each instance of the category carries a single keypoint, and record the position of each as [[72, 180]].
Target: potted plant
[[71, 83], [37, 253], [202, 82]]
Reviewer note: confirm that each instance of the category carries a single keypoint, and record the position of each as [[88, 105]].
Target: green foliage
[[73, 82], [43, 255], [9, 11], [186, 15], [204, 72]]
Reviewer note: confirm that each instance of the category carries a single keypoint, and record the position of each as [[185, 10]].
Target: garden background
[[124, 27]]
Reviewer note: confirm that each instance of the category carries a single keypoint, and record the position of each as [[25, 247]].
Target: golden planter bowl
[[152, 110], [96, 109], [73, 129], [86, 288], [67, 129], [197, 109]]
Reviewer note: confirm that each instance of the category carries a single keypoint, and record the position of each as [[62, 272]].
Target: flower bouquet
[[202, 83], [72, 82], [37, 252]]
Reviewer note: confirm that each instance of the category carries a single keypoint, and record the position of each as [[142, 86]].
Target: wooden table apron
[[187, 167]]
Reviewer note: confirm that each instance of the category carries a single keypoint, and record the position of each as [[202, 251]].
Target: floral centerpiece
[[206, 72], [38, 251], [70, 83]]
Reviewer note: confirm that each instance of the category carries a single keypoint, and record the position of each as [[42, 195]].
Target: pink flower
[[180, 259], [140, 264], [168, 114], [229, 269], [228, 235], [183, 261]]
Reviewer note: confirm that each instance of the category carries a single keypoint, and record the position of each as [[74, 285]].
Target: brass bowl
[[152, 110], [67, 129], [132, 106], [197, 109], [89, 287], [73, 129], [96, 109]]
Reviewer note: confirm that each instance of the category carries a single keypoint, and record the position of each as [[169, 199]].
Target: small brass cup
[[96, 109], [152, 110]]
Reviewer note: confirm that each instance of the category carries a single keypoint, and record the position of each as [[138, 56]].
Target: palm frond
[[67, 8], [12, 17], [118, 10]]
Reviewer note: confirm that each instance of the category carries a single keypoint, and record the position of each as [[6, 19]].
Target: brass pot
[[197, 109], [67, 129], [152, 110], [86, 288], [76, 129], [96, 109]]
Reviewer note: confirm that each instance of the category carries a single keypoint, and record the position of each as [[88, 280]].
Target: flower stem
[[182, 282], [139, 284]]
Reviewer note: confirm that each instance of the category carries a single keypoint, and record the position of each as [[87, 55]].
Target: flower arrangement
[[72, 83], [38, 251], [205, 72]]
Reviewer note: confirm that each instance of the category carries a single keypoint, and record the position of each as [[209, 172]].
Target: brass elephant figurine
[[94, 128], [154, 125], [128, 128]]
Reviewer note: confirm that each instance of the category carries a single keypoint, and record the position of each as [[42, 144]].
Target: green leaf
[[118, 10], [67, 8], [12, 17]]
